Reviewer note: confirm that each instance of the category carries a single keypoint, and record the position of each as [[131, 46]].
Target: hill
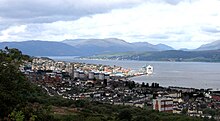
[[121, 49], [211, 46], [99, 46], [42, 48], [112, 45], [163, 47], [170, 55], [81, 47]]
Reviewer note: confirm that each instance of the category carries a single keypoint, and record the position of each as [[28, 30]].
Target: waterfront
[[101, 83], [184, 74]]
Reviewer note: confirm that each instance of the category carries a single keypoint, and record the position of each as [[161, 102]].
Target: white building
[[150, 69]]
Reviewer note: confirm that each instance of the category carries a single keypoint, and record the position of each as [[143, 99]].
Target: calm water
[[184, 74]]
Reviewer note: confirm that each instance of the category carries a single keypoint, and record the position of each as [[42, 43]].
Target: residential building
[[163, 104]]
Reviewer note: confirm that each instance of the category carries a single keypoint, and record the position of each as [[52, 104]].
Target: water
[[183, 74]]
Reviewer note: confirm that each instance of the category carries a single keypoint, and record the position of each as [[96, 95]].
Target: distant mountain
[[111, 45], [184, 49], [98, 46], [163, 47], [144, 46], [42, 48], [211, 46], [81, 47]]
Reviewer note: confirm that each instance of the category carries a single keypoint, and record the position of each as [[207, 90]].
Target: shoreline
[[79, 58], [130, 79], [140, 81], [155, 61]]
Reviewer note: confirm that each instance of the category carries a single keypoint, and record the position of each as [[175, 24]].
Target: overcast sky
[[178, 23]]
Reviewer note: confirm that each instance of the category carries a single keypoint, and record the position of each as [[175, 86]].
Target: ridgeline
[[169, 55]]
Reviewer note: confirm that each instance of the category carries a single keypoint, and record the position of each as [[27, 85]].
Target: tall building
[[163, 104]]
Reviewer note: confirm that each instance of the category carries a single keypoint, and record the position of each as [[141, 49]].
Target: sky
[[178, 23]]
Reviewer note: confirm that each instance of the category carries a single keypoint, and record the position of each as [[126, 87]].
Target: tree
[[141, 118], [131, 84], [17, 116], [211, 112], [125, 115], [93, 118], [147, 85], [152, 85], [143, 84], [14, 88]]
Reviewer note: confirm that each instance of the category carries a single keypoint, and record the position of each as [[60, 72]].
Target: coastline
[[186, 74], [129, 78], [145, 60]]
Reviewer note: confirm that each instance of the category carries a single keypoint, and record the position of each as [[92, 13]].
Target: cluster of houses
[[190, 101], [110, 84]]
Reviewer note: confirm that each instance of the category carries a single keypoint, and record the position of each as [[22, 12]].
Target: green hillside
[[170, 55]]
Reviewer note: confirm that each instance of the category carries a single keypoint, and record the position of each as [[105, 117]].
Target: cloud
[[11, 33], [46, 11], [43, 11], [173, 22], [211, 29], [158, 36]]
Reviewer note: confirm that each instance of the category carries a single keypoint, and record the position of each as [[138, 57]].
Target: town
[[111, 84]]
